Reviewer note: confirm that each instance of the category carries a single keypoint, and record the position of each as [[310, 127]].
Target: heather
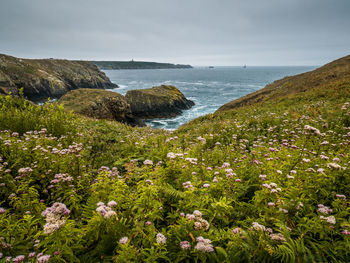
[[262, 183]]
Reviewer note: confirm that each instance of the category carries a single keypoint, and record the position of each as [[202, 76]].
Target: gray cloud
[[199, 32]]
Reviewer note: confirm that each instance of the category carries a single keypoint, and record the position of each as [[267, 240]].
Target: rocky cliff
[[99, 104], [336, 72], [157, 102], [44, 78]]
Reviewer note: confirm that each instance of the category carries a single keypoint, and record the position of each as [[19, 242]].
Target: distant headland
[[107, 65]]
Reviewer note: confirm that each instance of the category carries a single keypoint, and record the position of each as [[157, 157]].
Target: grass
[[252, 184]]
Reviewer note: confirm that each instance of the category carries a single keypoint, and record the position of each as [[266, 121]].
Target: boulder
[[99, 104], [158, 102]]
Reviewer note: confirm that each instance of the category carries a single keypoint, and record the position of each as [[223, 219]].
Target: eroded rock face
[[157, 102], [44, 78], [99, 104]]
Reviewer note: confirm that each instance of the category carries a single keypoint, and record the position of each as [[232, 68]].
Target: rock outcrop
[[44, 78], [157, 102], [335, 72], [99, 104]]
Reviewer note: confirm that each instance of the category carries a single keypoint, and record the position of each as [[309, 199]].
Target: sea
[[209, 88]]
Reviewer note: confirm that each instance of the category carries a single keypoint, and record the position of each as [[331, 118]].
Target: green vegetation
[[136, 65], [263, 183], [332, 74]]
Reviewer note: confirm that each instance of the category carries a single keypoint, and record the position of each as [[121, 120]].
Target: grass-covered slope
[[335, 73], [264, 183]]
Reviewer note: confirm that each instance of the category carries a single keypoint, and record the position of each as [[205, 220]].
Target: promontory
[[49, 78]]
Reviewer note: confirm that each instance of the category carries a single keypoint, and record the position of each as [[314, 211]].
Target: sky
[[196, 32]]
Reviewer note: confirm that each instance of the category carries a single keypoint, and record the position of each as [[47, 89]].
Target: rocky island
[[157, 102], [49, 78], [164, 101], [108, 65]]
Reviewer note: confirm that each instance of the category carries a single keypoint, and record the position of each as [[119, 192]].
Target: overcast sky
[[197, 32]]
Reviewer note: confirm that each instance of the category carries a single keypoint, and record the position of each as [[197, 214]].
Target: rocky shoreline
[[137, 105], [80, 86]]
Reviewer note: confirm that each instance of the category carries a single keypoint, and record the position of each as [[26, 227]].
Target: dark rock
[[157, 102], [44, 78]]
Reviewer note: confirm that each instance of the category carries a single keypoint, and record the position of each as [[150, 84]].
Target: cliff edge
[[44, 78]]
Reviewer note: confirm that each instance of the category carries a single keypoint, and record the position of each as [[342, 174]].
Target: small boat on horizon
[[211, 66], [245, 66]]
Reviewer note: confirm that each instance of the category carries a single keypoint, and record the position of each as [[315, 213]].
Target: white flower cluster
[[161, 239], [278, 237], [54, 216], [273, 187], [311, 130], [106, 210], [204, 245], [324, 209], [187, 185], [329, 219], [200, 223]]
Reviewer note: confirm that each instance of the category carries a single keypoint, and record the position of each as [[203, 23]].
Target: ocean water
[[208, 88]]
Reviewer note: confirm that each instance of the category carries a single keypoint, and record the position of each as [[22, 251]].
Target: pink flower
[[161, 239], [185, 245], [112, 203], [44, 259], [124, 240]]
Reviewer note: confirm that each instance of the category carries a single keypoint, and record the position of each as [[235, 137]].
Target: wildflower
[[345, 232], [31, 255], [206, 185], [148, 162], [271, 204], [19, 259], [236, 230], [185, 245], [161, 239], [190, 217], [329, 219], [337, 195], [171, 155], [112, 203], [258, 227], [110, 214], [333, 165], [2, 210], [278, 237], [204, 245], [124, 240], [148, 223], [324, 209], [56, 253], [44, 259], [238, 180], [262, 177], [197, 213], [345, 106], [311, 130], [215, 180], [54, 217]]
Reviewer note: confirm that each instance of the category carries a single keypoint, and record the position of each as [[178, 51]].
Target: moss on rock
[[158, 102]]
